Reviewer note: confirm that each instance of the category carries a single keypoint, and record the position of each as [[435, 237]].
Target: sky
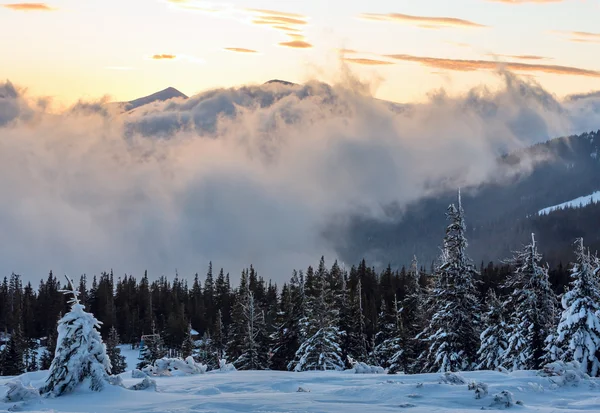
[[269, 175], [72, 49]]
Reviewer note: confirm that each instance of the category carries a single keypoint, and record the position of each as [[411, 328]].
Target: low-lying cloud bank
[[246, 175]]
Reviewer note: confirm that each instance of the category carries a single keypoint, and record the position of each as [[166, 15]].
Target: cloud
[[472, 65], [422, 21], [255, 174], [286, 28], [579, 36], [368, 62], [28, 7], [519, 57], [164, 57], [240, 50], [296, 44], [277, 20], [277, 13]]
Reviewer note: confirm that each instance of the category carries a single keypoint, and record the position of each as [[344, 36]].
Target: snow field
[[275, 391]]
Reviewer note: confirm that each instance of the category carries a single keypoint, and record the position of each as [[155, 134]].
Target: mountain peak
[[160, 96], [282, 82]]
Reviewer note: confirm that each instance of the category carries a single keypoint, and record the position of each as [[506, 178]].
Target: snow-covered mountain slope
[[275, 391], [574, 203]]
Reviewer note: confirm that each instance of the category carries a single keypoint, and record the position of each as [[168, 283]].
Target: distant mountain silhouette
[[283, 82], [166, 94]]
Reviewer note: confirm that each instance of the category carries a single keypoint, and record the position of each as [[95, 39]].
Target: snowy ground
[[574, 203], [270, 391]]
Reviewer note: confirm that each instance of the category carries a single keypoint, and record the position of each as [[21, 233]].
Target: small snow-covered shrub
[[17, 392], [167, 366], [501, 370], [363, 368], [453, 378], [138, 374], [115, 381], [224, 366], [562, 373], [504, 399], [147, 383], [481, 389]]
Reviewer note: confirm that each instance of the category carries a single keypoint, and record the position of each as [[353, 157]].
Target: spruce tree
[[188, 345], [285, 337], [533, 305], [357, 348], [412, 317], [321, 349], [254, 351], [48, 353], [80, 353], [390, 350], [13, 358], [152, 349], [493, 338], [578, 333], [117, 360], [452, 337]]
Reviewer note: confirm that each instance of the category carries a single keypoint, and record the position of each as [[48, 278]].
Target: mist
[[249, 175]]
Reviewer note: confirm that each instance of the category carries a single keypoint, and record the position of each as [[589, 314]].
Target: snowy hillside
[[574, 203], [272, 391]]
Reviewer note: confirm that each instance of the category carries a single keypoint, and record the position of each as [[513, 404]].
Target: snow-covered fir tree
[[389, 350], [578, 333], [357, 340], [413, 317], [188, 345], [80, 353], [48, 353], [493, 338], [254, 349], [152, 349], [321, 350], [533, 308], [452, 337], [117, 360], [285, 337], [13, 362]]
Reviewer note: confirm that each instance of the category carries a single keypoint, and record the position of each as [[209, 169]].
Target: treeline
[[413, 319]]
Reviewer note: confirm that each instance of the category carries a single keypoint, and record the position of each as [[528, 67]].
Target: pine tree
[[493, 338], [13, 358], [533, 305], [285, 337], [117, 360], [412, 320], [452, 337], [219, 336], [390, 350], [321, 349], [152, 349], [578, 333], [357, 348], [254, 353], [188, 345], [237, 328], [48, 353], [80, 352]]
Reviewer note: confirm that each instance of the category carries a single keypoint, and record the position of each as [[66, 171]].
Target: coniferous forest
[[448, 315]]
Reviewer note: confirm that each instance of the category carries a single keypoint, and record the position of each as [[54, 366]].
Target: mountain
[[500, 216], [166, 94]]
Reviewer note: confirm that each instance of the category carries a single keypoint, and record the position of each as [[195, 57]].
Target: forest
[[448, 315]]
